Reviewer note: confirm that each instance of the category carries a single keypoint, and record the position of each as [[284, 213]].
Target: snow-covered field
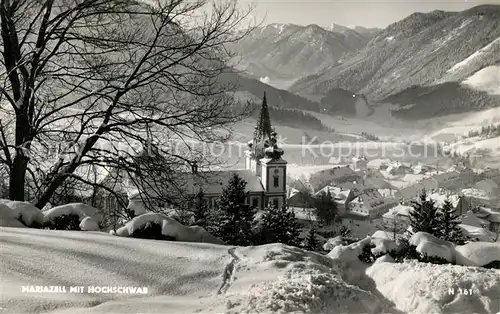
[[208, 278]]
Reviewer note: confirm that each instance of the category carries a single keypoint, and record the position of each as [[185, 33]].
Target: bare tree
[[85, 83]]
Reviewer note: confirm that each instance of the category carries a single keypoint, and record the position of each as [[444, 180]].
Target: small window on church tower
[[276, 181]]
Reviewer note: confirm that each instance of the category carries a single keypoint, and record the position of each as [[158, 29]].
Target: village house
[[397, 217], [335, 176], [492, 174], [490, 217], [378, 164], [478, 197], [398, 168], [370, 204], [423, 169], [446, 180], [489, 186], [375, 179], [429, 184], [341, 196], [405, 195], [345, 174], [299, 199]]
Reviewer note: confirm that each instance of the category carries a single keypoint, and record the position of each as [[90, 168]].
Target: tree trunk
[[17, 178]]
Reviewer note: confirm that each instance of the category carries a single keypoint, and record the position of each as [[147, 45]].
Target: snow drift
[[208, 278], [416, 287]]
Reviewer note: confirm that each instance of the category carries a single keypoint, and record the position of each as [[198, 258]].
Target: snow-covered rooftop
[[476, 193], [399, 210]]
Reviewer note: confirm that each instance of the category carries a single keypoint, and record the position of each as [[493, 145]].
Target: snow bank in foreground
[[477, 253], [176, 274], [25, 212], [295, 281], [170, 227], [425, 288], [181, 277], [207, 278], [79, 209]]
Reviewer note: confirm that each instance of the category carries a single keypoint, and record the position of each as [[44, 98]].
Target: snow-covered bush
[[63, 222], [89, 224], [367, 255], [151, 230], [25, 212], [169, 227], [478, 253], [8, 218], [333, 242], [433, 249], [137, 207], [71, 217], [79, 209]]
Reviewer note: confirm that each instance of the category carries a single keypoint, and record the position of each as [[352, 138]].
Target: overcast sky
[[368, 13]]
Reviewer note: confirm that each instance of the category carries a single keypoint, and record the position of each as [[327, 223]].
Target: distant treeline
[[370, 136], [292, 118], [486, 131], [421, 102]]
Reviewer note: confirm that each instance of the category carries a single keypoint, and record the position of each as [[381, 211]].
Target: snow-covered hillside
[[486, 79], [207, 278], [476, 57], [478, 147]]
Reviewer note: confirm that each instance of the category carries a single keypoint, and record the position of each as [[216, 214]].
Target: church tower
[[264, 158]]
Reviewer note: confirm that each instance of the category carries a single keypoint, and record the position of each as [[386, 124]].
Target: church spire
[[263, 130]]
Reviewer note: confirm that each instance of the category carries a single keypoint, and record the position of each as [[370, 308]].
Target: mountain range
[[289, 51], [425, 63]]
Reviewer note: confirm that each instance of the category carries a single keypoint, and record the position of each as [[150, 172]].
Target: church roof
[[264, 128], [212, 182]]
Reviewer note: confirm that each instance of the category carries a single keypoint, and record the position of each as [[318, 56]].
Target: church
[[265, 170], [264, 173]]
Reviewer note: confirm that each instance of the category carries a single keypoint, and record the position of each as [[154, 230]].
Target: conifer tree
[[345, 232], [312, 242], [233, 220], [279, 225], [200, 210], [450, 231], [325, 208], [425, 216]]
